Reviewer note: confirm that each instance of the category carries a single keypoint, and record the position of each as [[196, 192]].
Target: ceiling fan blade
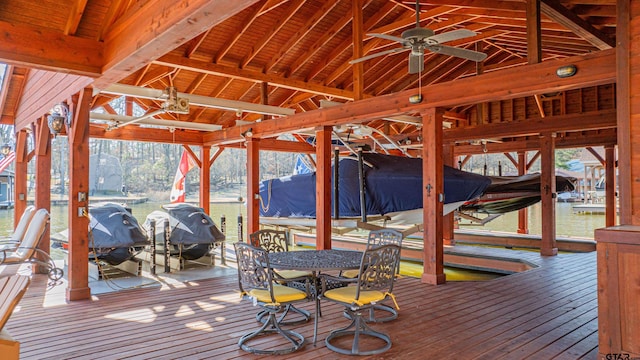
[[386, 52], [450, 36], [388, 37], [416, 63], [458, 52]]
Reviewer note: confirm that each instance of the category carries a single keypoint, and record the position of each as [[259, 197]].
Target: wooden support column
[[547, 191], [78, 273], [205, 178], [448, 222], [627, 110], [22, 160], [610, 186], [432, 197], [43, 179], [323, 187], [523, 214], [358, 33], [253, 184]]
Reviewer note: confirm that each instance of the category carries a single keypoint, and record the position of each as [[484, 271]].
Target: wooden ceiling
[[285, 53]]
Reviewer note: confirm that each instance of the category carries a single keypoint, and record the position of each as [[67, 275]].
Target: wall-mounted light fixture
[[247, 134], [566, 71], [5, 149], [59, 117]]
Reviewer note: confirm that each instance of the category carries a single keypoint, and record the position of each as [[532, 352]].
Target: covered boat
[[392, 184], [115, 235], [511, 193], [192, 232]]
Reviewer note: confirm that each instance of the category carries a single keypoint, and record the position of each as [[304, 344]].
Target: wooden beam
[[40, 48], [604, 119], [43, 179], [594, 69], [158, 25], [136, 133], [548, 245], [78, 273], [20, 168], [558, 13], [627, 71], [611, 204], [253, 184], [523, 214], [433, 197], [252, 76], [323, 187], [205, 179], [357, 35]]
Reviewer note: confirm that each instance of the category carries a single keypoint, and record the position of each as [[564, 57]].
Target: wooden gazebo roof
[[293, 54]]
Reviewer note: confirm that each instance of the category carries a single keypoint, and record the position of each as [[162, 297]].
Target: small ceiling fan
[[420, 39]]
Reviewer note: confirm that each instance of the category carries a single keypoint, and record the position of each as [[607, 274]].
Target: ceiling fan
[[420, 39]]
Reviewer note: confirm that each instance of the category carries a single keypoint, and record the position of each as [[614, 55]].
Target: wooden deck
[[549, 312]]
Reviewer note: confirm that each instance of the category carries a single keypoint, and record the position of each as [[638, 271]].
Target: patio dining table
[[316, 261]]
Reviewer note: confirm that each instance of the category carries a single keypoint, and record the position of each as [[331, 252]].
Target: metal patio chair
[[373, 285], [378, 238], [258, 284], [278, 241]]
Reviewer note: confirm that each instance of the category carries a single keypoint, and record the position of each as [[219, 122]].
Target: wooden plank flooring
[[549, 312]]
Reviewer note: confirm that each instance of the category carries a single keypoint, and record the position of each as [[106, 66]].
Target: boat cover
[[113, 226], [511, 193], [189, 224], [392, 184]]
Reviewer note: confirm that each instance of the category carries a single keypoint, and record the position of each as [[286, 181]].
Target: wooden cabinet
[[618, 250]]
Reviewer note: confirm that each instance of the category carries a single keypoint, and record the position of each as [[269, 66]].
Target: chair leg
[[271, 326], [357, 328], [373, 318], [260, 317]]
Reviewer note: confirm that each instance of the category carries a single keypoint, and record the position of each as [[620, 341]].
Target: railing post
[[152, 236], [167, 252], [223, 246]]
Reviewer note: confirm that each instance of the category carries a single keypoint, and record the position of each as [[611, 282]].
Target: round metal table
[[316, 260]]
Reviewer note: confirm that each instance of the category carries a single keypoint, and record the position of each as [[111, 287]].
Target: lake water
[[568, 224]]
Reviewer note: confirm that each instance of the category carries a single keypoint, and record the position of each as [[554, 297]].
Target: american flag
[[6, 161]]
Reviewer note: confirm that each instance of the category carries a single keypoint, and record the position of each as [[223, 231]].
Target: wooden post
[[205, 182], [253, 183], [547, 193], [43, 179], [357, 33], [78, 274], [432, 197], [523, 214], [323, 188], [448, 221], [610, 186], [22, 160]]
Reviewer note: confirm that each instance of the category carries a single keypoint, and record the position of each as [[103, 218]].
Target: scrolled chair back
[[253, 267], [384, 237], [270, 240], [378, 268]]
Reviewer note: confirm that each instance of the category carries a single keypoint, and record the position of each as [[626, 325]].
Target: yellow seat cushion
[[281, 293], [350, 274], [291, 274], [348, 295]]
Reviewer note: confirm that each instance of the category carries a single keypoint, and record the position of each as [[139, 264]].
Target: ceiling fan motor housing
[[417, 33]]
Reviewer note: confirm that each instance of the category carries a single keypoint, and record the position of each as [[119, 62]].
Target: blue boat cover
[[392, 184]]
